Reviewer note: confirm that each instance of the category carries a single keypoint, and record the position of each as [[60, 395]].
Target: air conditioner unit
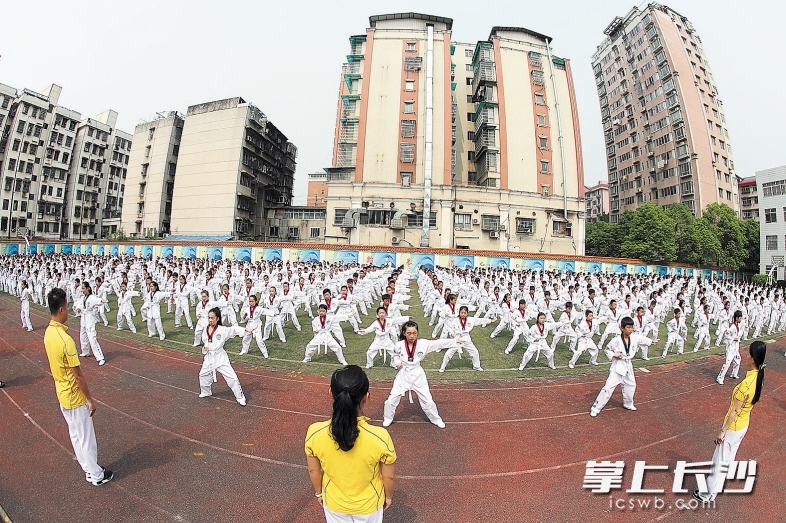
[[493, 234], [616, 122], [475, 222], [394, 240], [503, 227], [661, 164]]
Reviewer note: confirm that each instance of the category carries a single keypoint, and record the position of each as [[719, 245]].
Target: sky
[[141, 57]]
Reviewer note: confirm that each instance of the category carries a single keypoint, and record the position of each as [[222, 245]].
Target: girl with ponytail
[[746, 394], [350, 462]]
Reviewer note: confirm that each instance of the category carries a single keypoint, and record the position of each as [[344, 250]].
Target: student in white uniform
[[202, 310], [24, 298], [611, 317], [518, 320], [274, 317], [732, 336], [383, 343], [678, 331], [154, 299], [620, 351], [459, 329], [182, 291], [565, 330], [86, 307], [124, 297], [585, 330], [322, 326], [537, 341], [214, 337], [411, 377], [252, 314], [702, 332]]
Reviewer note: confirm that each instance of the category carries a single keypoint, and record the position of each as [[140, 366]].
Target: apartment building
[[454, 145], [596, 200], [666, 134], [771, 190], [152, 162], [749, 198], [234, 166], [317, 189]]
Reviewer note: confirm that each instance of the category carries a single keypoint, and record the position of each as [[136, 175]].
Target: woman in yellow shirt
[[350, 463], [746, 394]]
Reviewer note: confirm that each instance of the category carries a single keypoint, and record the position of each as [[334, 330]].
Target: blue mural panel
[[272, 254]]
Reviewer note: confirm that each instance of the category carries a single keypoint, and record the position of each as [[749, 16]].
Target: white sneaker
[[369, 366], [205, 394], [442, 370], [645, 359], [552, 367], [386, 422], [265, 355], [305, 360], [632, 407], [440, 424], [100, 363], [242, 401], [478, 368], [29, 330], [719, 381], [593, 413], [521, 367], [119, 329], [571, 366], [507, 351]]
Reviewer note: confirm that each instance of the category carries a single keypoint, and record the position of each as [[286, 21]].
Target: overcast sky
[[139, 57]]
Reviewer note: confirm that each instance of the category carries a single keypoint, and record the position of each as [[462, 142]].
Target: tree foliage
[[718, 238]]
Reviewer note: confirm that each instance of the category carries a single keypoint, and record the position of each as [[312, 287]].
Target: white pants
[[379, 348], [200, 326], [586, 345], [608, 331], [517, 333], [257, 335], [125, 315], [183, 309], [154, 324], [726, 452], [290, 313], [703, 335], [417, 383], [471, 350], [83, 439], [628, 382], [338, 517], [732, 356], [25, 314], [270, 321], [677, 340], [313, 347], [533, 348], [219, 363], [88, 340], [570, 334]]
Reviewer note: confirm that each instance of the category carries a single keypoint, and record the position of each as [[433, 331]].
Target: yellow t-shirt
[[743, 392], [61, 351], [351, 483]]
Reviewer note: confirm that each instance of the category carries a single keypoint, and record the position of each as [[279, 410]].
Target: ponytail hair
[[758, 351], [217, 312], [348, 385]]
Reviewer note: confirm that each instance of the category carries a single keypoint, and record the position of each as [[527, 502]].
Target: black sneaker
[[695, 495], [108, 475], [2, 384]]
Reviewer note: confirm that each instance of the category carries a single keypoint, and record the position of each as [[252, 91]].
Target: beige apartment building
[[749, 198], [666, 134], [234, 167], [113, 185], [480, 139], [596, 200], [152, 162]]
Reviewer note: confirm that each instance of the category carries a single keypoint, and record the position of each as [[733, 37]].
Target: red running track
[[512, 450]]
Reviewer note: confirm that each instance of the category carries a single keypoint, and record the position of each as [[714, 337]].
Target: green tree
[[601, 239], [697, 241], [648, 234], [751, 231], [728, 230]]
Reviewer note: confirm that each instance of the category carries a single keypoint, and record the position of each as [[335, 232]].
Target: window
[[375, 217], [471, 156], [545, 190], [469, 81], [409, 107], [147, 151], [771, 243], [273, 232], [770, 216], [776, 188], [417, 219], [525, 225], [559, 228], [407, 152], [411, 47], [408, 128], [489, 222], [463, 222], [539, 99], [470, 117], [544, 167], [543, 143], [294, 232], [542, 120], [314, 232], [471, 136], [406, 180], [150, 133], [338, 216], [409, 85]]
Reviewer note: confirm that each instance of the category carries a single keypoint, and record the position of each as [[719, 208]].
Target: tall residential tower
[[443, 144], [666, 135]]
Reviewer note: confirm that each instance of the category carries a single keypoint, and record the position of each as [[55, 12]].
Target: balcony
[[485, 72], [487, 139]]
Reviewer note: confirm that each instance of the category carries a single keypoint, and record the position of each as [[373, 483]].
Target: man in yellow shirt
[[76, 403]]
